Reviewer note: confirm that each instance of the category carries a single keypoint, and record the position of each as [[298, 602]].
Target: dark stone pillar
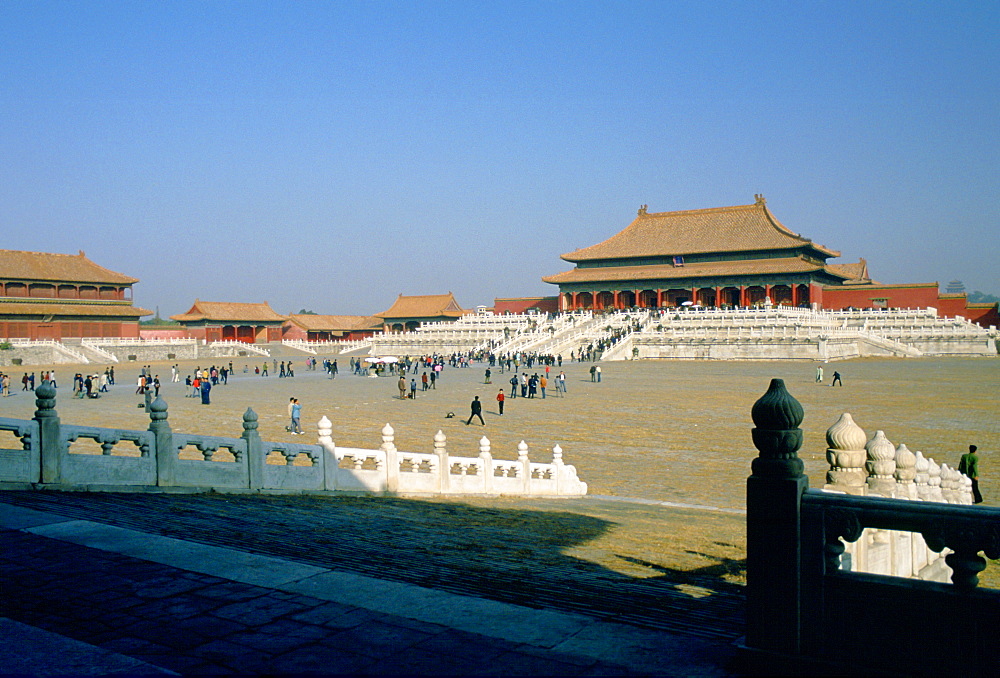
[[255, 450], [166, 455], [49, 443], [774, 493]]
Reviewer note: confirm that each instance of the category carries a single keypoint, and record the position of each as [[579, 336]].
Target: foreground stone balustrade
[[162, 458], [816, 559]]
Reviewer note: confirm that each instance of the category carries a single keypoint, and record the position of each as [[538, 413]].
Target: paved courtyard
[[658, 546]]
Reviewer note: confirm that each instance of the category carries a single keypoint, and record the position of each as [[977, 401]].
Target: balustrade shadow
[[505, 554]]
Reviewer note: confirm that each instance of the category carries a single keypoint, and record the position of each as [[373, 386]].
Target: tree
[[305, 312]]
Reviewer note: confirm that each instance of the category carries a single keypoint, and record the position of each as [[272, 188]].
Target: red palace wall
[[920, 295], [522, 304]]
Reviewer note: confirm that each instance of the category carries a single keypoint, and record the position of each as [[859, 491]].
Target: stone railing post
[[522, 459], [906, 472], [255, 450], [921, 465], [486, 459], [881, 466], [166, 455], [934, 480], [330, 463], [558, 468], [774, 497], [49, 444], [388, 448], [846, 455], [444, 464]]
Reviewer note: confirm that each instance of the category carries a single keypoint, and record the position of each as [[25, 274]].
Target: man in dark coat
[[477, 411]]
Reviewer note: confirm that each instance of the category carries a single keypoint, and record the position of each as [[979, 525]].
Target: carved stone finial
[[846, 453], [249, 420], [45, 400], [777, 435], [522, 451], [158, 409]]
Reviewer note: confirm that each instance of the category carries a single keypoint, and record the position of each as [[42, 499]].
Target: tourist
[[561, 382], [296, 417], [423, 381], [206, 388], [500, 399], [401, 385], [593, 372], [413, 389], [597, 371], [24, 382], [174, 376], [819, 374], [969, 465], [488, 373], [156, 386], [263, 372], [836, 380], [542, 383], [513, 386], [5, 384], [477, 411]]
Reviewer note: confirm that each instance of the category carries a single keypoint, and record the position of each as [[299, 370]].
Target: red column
[[795, 295], [743, 295], [659, 298], [718, 296], [767, 293], [638, 301]]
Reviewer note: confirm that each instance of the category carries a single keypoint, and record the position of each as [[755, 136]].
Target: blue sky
[[333, 155]]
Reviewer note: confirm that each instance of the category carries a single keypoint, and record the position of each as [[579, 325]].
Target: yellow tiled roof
[[703, 270], [61, 308], [335, 323], [44, 266], [719, 229], [426, 306], [229, 311]]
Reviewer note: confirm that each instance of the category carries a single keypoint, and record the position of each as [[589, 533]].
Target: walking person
[[477, 411], [413, 389], [500, 399], [836, 379], [819, 374], [969, 465]]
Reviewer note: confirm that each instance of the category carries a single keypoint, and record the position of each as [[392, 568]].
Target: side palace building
[[47, 296]]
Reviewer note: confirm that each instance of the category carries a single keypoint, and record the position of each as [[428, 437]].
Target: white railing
[[239, 344]]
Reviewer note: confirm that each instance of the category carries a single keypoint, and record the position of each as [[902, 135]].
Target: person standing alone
[[477, 411], [969, 465], [500, 399]]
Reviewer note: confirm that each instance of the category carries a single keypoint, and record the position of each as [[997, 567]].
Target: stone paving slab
[[74, 579], [213, 560], [26, 650]]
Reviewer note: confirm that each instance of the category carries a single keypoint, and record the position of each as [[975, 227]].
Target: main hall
[[719, 257]]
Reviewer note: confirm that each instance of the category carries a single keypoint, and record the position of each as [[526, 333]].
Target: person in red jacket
[[500, 399]]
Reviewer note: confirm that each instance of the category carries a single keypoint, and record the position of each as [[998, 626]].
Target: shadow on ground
[[510, 555]]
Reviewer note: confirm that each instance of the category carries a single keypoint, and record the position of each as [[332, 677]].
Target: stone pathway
[[163, 594]]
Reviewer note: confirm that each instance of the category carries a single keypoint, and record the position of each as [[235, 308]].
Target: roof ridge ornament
[[759, 199], [642, 210]]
